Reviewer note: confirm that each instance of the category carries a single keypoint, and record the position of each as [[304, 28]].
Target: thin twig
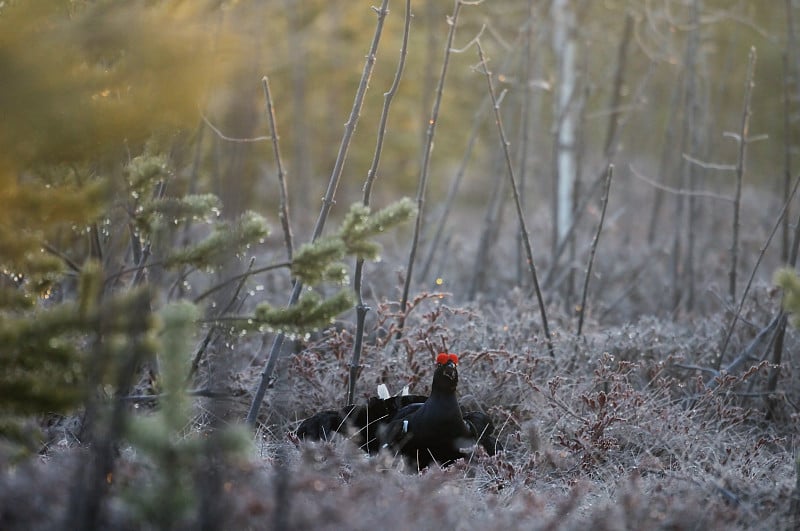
[[240, 276], [682, 267], [221, 135], [455, 183], [562, 245], [582, 310], [772, 232], [789, 70], [678, 191], [525, 128], [619, 80], [200, 393], [284, 195], [361, 308], [426, 157], [520, 215], [665, 161], [709, 165], [787, 144], [740, 169], [64, 258], [327, 204], [212, 331], [489, 228], [477, 121]]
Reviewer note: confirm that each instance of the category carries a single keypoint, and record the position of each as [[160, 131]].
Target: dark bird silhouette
[[422, 429]]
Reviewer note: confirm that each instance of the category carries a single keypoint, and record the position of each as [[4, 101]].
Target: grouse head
[[445, 376]]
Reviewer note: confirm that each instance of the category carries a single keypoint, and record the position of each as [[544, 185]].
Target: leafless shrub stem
[[664, 163], [426, 157], [740, 169], [477, 120], [327, 204], [284, 195], [455, 184], [520, 214], [619, 80], [678, 191], [525, 127], [738, 312], [582, 311], [562, 245], [787, 149], [789, 69], [683, 264], [361, 308], [492, 220], [241, 277]]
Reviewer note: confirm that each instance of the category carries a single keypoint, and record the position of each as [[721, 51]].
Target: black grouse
[[423, 429]]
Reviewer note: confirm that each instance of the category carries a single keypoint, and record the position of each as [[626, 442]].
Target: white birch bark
[[565, 47]]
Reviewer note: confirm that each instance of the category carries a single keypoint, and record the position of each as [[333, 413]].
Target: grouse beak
[[451, 372]]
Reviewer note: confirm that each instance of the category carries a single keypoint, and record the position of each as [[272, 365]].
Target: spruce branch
[[176, 209], [143, 253], [227, 238], [310, 312], [317, 261], [312, 261]]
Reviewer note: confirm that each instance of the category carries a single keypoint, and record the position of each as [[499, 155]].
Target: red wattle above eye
[[453, 358], [442, 358]]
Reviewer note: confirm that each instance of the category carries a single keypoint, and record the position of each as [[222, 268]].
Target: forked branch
[[526, 240]]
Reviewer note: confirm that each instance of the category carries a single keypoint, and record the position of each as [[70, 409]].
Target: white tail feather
[[383, 392]]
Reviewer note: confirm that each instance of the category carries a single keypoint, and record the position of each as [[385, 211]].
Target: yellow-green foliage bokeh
[[81, 78], [787, 279], [84, 85]]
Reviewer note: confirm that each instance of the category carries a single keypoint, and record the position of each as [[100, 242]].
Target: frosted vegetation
[[219, 218]]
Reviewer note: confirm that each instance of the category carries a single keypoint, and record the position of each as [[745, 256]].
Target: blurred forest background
[[152, 227], [122, 73]]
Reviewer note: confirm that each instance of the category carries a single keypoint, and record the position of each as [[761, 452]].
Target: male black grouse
[[423, 429]]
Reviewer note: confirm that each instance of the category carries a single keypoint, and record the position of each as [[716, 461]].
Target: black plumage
[[422, 429]]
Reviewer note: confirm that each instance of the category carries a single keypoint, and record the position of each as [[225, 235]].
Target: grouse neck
[[444, 386], [442, 392], [445, 379]]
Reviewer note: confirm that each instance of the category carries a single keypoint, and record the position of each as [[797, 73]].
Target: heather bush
[[599, 254]]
